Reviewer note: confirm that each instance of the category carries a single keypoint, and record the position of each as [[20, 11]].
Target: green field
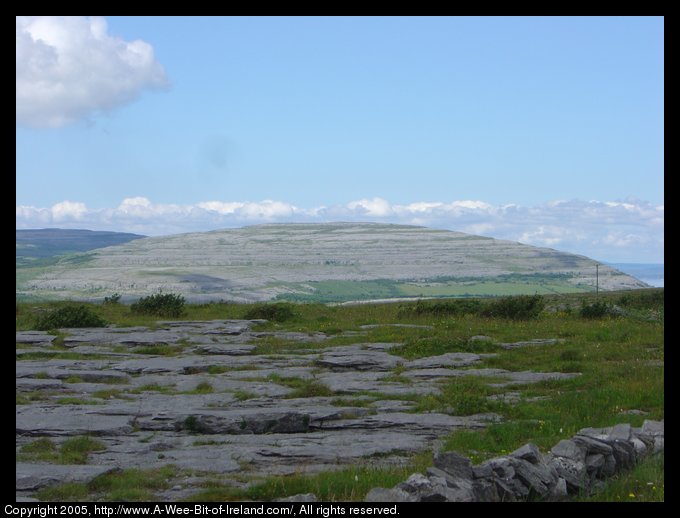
[[342, 291]]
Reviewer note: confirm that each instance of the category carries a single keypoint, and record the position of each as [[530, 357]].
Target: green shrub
[[161, 305], [597, 309], [69, 316], [113, 299], [279, 312], [442, 308], [643, 299], [520, 307]]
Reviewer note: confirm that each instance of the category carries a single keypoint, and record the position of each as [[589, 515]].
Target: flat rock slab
[[444, 360], [534, 342], [351, 382], [68, 420], [30, 384], [225, 349], [34, 337], [428, 424], [36, 476], [217, 407]]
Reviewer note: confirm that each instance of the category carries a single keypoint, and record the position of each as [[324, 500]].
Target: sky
[[543, 130]]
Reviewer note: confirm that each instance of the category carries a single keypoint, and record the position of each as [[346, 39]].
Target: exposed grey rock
[[480, 338], [240, 422], [226, 349], [505, 490], [600, 434], [302, 497], [294, 337], [592, 445], [444, 360], [29, 384], [572, 471], [64, 420], [34, 337], [454, 464], [573, 467], [624, 453], [621, 432], [353, 357], [594, 462], [538, 477], [381, 494], [658, 444], [537, 341], [609, 467], [558, 492], [640, 447], [36, 476], [570, 450], [464, 489], [425, 490], [653, 428], [501, 466], [528, 452], [485, 491], [523, 377], [21, 498], [482, 471]]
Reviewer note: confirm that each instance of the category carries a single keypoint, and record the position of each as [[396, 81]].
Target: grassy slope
[[621, 361]]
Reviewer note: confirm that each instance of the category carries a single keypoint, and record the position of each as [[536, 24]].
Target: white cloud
[[614, 231], [69, 68], [375, 207], [66, 210]]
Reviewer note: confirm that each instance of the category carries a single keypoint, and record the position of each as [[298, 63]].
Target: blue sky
[[543, 130]]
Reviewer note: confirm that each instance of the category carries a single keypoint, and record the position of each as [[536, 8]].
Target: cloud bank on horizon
[[69, 68], [630, 231]]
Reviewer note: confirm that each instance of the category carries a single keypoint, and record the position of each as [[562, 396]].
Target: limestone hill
[[333, 262]]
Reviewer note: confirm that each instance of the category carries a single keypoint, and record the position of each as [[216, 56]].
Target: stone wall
[[573, 466]]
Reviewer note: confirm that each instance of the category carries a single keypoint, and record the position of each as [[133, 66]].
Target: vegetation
[[69, 316], [130, 485], [113, 299], [160, 304], [72, 451], [279, 312], [619, 357], [598, 309], [520, 307], [644, 483]]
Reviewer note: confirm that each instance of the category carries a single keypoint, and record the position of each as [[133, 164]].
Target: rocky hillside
[[322, 262]]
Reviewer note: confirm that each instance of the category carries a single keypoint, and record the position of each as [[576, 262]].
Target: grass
[[620, 361], [159, 350], [302, 388], [130, 485], [644, 483], [350, 484], [243, 395], [202, 388], [466, 395], [72, 451]]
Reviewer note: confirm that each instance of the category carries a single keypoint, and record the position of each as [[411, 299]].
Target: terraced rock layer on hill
[[321, 262]]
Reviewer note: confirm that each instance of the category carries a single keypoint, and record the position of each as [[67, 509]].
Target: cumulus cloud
[[630, 231], [69, 68]]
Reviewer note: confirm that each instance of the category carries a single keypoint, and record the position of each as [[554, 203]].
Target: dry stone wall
[[573, 466]]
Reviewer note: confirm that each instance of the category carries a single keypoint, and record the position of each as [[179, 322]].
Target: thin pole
[[597, 278]]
